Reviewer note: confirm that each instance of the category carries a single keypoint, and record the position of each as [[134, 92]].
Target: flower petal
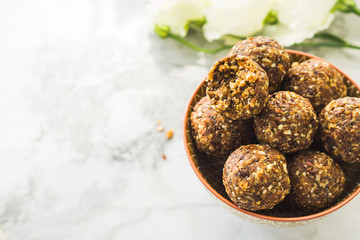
[[237, 17], [176, 14], [300, 20]]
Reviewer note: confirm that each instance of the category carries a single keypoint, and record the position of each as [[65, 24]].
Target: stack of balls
[[262, 114]]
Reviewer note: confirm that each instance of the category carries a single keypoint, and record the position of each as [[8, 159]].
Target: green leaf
[[346, 6], [162, 31], [343, 6], [185, 42], [195, 23], [165, 32], [235, 37], [271, 18], [330, 37], [324, 39]]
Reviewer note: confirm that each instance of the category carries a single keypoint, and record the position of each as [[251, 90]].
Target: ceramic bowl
[[210, 172]]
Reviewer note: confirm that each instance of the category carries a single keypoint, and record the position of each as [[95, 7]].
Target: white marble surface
[[82, 86]]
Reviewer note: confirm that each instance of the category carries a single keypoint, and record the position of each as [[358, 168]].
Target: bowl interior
[[209, 169]]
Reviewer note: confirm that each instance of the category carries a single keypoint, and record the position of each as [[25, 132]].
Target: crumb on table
[[169, 134], [160, 129]]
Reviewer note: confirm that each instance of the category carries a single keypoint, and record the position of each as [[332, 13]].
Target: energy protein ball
[[317, 81], [237, 87], [287, 123], [316, 180], [255, 177], [268, 54], [340, 129], [217, 135]]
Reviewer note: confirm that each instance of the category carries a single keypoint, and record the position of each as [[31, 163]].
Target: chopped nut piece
[[294, 64], [160, 129], [287, 132]]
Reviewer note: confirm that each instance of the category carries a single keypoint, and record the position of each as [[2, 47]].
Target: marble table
[[83, 84]]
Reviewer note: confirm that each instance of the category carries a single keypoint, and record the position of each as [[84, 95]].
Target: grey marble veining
[[83, 84]]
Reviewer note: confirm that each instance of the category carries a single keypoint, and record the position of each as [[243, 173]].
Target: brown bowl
[[210, 172]]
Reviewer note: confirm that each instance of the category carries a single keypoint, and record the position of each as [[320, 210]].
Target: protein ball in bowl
[[237, 87], [316, 180], [255, 177], [215, 134], [288, 122], [268, 54], [317, 81], [340, 129]]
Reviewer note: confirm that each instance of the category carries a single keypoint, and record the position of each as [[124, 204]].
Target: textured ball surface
[[215, 134], [255, 177], [287, 123], [237, 87], [340, 129], [316, 180], [268, 54], [317, 81]]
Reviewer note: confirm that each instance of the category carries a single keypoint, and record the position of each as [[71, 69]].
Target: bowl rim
[[254, 214]]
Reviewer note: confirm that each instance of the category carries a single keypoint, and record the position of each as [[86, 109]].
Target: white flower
[[237, 17], [300, 20], [176, 14]]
